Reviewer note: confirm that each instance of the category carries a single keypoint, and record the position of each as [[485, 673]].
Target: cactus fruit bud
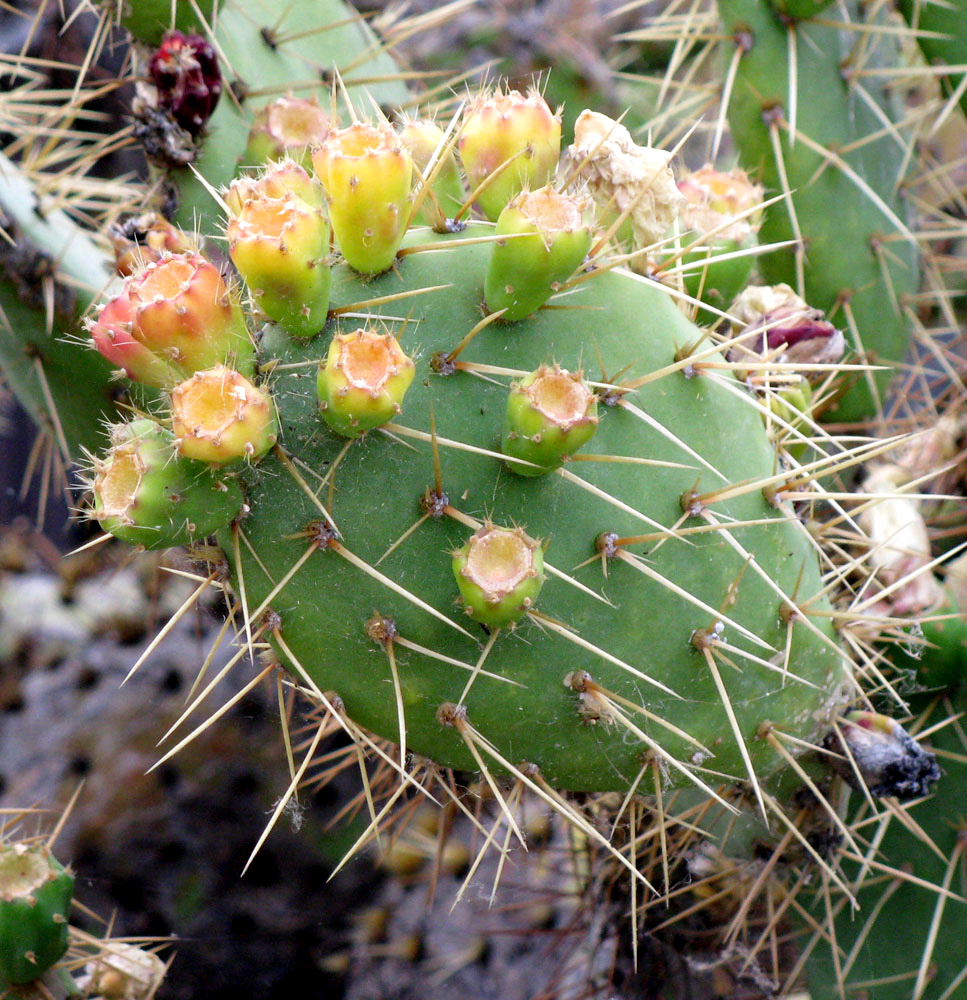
[[286, 127], [890, 761], [516, 138], [623, 176], [363, 381], [185, 72], [499, 572], [35, 897], [424, 138], [367, 173], [146, 495], [550, 414], [720, 207], [780, 325], [183, 312], [280, 247], [218, 417], [278, 180], [550, 240], [112, 334], [792, 404]]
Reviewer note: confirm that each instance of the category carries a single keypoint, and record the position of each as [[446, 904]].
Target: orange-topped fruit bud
[[511, 141], [280, 247], [277, 180], [367, 173], [184, 313], [499, 573], [550, 414], [113, 335], [425, 141], [218, 417], [363, 382]]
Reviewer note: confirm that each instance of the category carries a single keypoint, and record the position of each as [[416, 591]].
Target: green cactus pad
[[35, 898], [630, 629]]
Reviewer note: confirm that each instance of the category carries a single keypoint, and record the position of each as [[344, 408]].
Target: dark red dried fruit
[[189, 82]]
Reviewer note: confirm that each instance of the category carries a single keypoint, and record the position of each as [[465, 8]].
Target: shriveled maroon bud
[[778, 324], [889, 759], [185, 72]]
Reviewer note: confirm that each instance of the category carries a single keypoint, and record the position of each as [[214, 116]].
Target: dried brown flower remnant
[[622, 175]]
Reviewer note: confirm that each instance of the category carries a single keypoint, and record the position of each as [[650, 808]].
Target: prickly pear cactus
[[582, 574]]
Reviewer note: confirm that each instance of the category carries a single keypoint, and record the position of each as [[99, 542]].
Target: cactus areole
[[404, 496]]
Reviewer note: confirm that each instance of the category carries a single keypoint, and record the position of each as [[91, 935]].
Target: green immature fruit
[[288, 127], [145, 494], [721, 210], [500, 573], [510, 142], [842, 171], [367, 173], [542, 240], [219, 417], [550, 414], [35, 898], [363, 382], [426, 142], [624, 615], [280, 248]]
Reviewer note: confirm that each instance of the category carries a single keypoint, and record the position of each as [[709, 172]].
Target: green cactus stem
[[56, 263], [913, 922], [148, 20], [35, 898]]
